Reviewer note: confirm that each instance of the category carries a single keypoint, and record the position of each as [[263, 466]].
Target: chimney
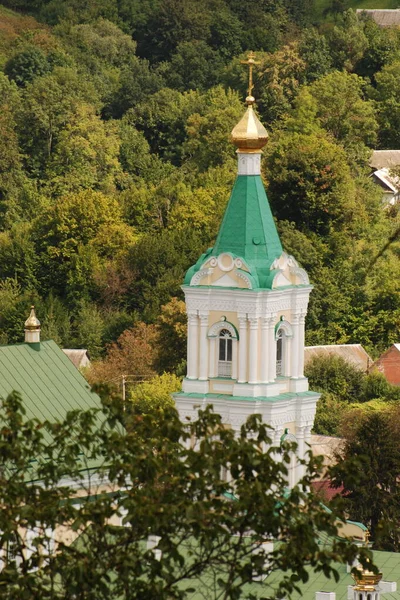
[[32, 328]]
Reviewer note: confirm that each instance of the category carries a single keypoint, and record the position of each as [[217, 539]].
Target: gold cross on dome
[[250, 62]]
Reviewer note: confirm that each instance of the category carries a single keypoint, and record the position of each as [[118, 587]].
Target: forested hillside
[[116, 164]]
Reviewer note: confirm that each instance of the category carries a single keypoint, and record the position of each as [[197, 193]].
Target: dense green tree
[[86, 156], [310, 182], [329, 415], [55, 321], [164, 487], [137, 82], [18, 258], [65, 239], [388, 105], [74, 11], [172, 338], [383, 48], [11, 171], [159, 263], [154, 395], [172, 22], [372, 492], [27, 64], [314, 50], [341, 109], [49, 103], [208, 144], [347, 41], [162, 118], [226, 32], [100, 51], [278, 83], [194, 66], [337, 376], [89, 329]]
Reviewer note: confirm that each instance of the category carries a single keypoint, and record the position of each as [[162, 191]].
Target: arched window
[[225, 354], [280, 342]]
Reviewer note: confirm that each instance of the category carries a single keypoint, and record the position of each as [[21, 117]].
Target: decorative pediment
[[224, 270], [225, 281], [280, 280], [289, 272]]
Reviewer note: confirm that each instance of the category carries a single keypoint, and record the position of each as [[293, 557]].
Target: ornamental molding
[[306, 418], [285, 260], [244, 277], [228, 264], [219, 325], [285, 326], [197, 277], [300, 274], [237, 420], [279, 421]]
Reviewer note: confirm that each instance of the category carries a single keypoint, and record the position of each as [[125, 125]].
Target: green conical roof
[[247, 231]]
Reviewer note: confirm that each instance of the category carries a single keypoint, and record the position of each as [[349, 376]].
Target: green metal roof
[[247, 231], [388, 563], [47, 380], [248, 228]]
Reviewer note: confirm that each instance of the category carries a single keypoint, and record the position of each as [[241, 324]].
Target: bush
[[335, 375]]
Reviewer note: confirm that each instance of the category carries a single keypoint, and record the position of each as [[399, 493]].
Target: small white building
[[382, 163], [80, 357]]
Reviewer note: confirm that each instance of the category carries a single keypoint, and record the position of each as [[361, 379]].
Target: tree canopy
[[132, 509], [116, 164]]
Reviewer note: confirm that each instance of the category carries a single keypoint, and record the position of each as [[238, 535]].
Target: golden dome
[[249, 135], [32, 321]]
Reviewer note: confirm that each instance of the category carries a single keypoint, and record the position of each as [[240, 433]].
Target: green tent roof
[[247, 231], [47, 380]]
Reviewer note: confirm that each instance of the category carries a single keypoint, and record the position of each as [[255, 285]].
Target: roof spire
[[249, 135], [32, 328]]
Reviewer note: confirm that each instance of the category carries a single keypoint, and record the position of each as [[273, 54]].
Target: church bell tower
[[246, 302]]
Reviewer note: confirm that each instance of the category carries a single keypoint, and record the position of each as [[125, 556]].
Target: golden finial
[[250, 62], [366, 580], [32, 321]]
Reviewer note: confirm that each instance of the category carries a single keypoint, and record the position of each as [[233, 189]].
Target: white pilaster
[[295, 347], [300, 351], [212, 369], [253, 351], [193, 345], [203, 358], [265, 353], [242, 348], [234, 359], [272, 350]]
